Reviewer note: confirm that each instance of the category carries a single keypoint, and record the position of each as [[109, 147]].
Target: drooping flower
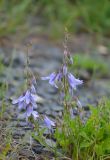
[[53, 78], [30, 112], [26, 98], [20, 99], [49, 123], [30, 98], [22, 105], [73, 82]]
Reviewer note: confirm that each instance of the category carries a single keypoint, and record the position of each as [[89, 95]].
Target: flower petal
[[20, 99], [21, 105], [59, 76], [73, 82], [49, 123], [35, 115], [33, 97], [52, 79], [29, 111], [27, 97], [15, 101], [34, 105], [32, 89]]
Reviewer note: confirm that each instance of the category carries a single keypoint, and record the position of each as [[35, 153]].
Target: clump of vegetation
[[13, 14], [78, 15], [5, 140], [1, 66], [95, 65], [86, 140]]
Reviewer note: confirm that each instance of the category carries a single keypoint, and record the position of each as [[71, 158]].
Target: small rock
[[18, 134], [26, 152], [21, 124], [57, 108], [37, 148], [102, 50]]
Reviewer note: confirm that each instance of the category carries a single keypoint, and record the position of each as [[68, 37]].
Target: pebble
[[18, 133]]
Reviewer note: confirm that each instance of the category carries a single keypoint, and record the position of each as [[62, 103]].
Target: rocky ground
[[45, 57]]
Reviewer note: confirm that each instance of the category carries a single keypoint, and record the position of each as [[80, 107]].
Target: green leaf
[[84, 135], [99, 150], [85, 144]]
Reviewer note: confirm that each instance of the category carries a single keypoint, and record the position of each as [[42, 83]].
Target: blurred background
[[88, 16]]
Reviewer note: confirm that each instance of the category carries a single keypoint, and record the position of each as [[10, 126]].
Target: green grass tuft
[[93, 64]]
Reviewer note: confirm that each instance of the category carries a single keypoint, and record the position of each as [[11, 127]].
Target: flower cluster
[[27, 102], [49, 123], [56, 77], [66, 82]]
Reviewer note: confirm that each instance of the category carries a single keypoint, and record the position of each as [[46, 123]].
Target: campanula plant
[[27, 102], [88, 140], [67, 84]]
